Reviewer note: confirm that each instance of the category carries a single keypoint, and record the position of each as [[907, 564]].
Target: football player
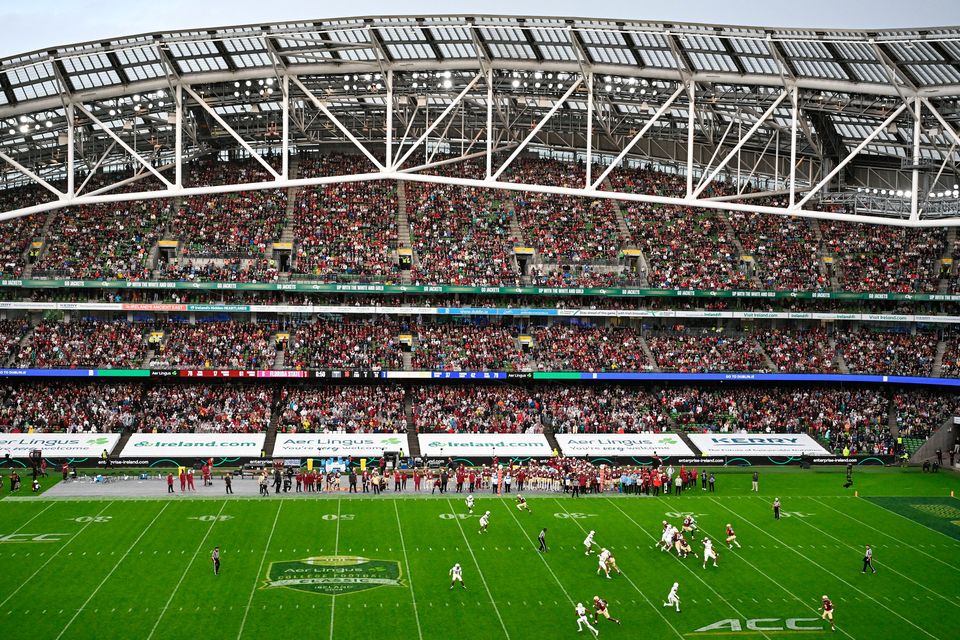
[[732, 538], [708, 552], [588, 543], [484, 521], [602, 563], [681, 545], [689, 525], [470, 503], [666, 540], [612, 565], [582, 620], [522, 504], [827, 607], [600, 608], [673, 600], [456, 575]]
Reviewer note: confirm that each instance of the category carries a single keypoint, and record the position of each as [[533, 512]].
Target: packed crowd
[[888, 352], [613, 409], [922, 412], [235, 224], [462, 347], [347, 409], [785, 250], [215, 345], [699, 351], [18, 234], [460, 235], [346, 230], [473, 409], [110, 241], [564, 229], [885, 258], [82, 343], [70, 407], [569, 347], [11, 333], [222, 408], [351, 344], [218, 270], [798, 351]]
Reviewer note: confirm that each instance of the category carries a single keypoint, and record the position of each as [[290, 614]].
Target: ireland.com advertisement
[[194, 445]]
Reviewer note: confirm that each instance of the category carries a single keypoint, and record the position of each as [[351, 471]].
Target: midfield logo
[[334, 575]]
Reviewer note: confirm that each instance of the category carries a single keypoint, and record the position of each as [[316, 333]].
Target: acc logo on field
[[334, 575]]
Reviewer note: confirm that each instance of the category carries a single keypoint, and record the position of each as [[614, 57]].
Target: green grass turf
[[141, 569]]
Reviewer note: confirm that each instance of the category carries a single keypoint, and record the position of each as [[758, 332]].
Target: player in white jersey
[[666, 540], [470, 503], [708, 552], [484, 521], [588, 543], [583, 620], [456, 575], [672, 598], [602, 563]]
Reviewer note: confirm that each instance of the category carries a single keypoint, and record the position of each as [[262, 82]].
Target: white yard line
[[479, 570], [900, 515], [885, 565], [37, 515], [886, 535], [115, 567], [824, 569], [766, 575], [50, 559], [406, 562], [185, 571], [692, 572], [659, 610], [544, 560], [256, 581], [336, 550]]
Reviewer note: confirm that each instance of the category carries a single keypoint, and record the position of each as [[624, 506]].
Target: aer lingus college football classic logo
[[334, 575]]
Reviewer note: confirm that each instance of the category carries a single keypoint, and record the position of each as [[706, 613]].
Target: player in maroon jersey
[[600, 609], [827, 607], [732, 538]]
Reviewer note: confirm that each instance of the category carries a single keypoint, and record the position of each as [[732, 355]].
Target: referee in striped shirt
[[868, 560]]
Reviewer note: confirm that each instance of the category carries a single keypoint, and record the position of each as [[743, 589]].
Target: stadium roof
[[617, 74]]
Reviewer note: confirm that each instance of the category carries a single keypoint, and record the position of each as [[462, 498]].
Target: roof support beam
[[736, 149], [30, 174], [7, 89], [133, 153], [656, 116], [860, 147], [438, 120], [539, 126], [508, 186], [336, 121], [236, 136], [915, 177]]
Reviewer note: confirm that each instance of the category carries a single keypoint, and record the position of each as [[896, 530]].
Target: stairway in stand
[[413, 443]]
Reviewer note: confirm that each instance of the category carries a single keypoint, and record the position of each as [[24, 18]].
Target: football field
[[347, 567]]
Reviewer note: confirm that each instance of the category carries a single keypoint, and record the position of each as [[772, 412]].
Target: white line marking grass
[[632, 583], [406, 562], [186, 571], [263, 558], [825, 570], [115, 567], [479, 570]]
